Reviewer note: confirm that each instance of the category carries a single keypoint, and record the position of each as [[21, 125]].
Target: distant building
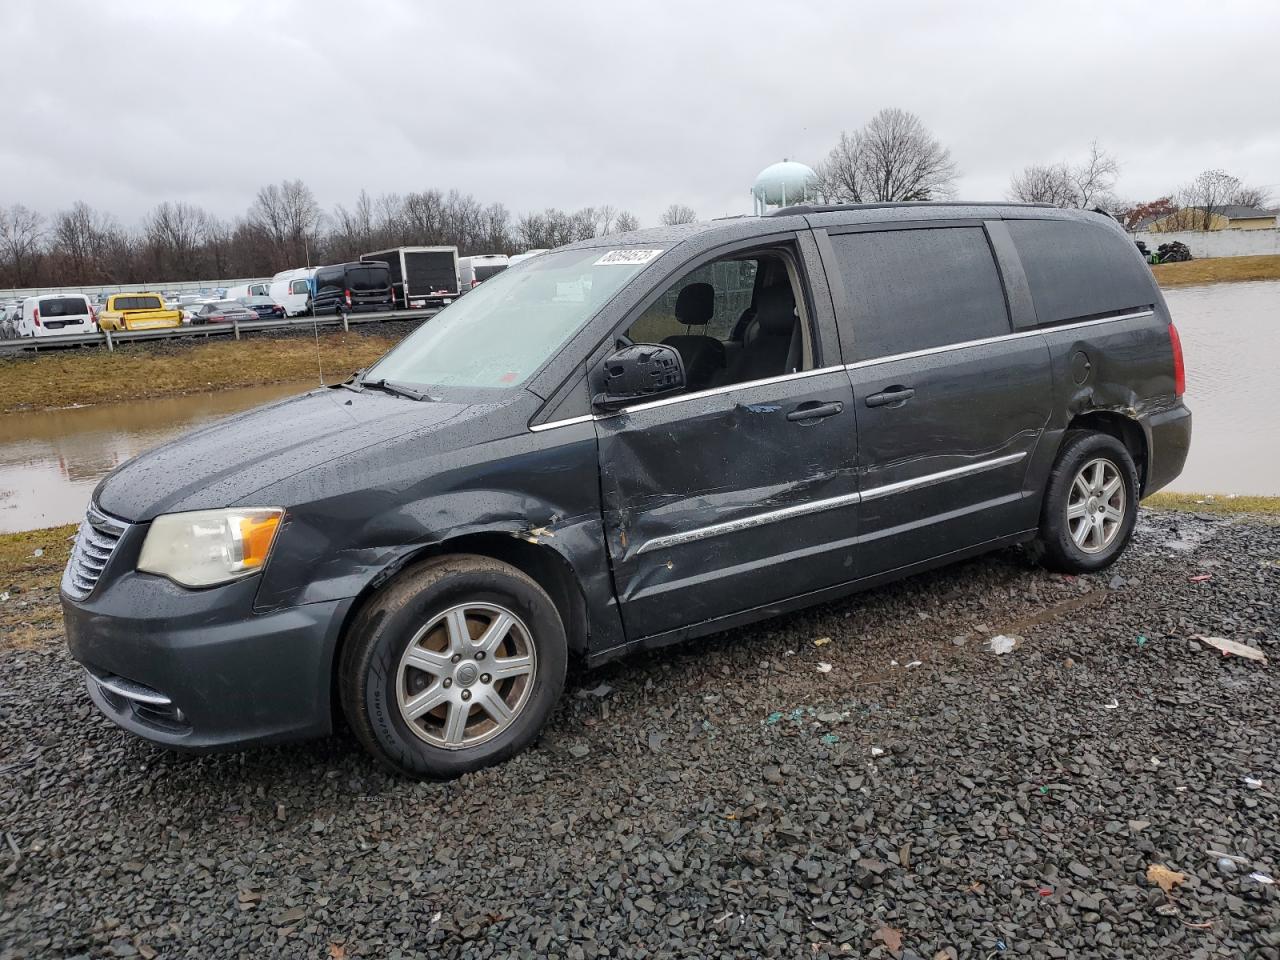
[[1231, 217]]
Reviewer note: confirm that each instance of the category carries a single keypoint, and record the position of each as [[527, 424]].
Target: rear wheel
[[1091, 503], [455, 666]]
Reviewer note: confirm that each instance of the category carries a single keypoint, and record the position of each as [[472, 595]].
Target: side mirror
[[639, 372]]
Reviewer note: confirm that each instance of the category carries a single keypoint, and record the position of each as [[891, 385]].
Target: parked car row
[[399, 278]]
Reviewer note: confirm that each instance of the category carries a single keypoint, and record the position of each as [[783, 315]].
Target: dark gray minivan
[[624, 443]]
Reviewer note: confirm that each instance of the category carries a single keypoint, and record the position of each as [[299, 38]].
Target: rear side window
[[328, 280], [914, 289], [63, 307], [1079, 270], [484, 273], [137, 303]]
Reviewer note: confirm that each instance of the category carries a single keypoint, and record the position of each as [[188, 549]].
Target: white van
[[291, 289], [56, 313], [258, 288], [473, 271]]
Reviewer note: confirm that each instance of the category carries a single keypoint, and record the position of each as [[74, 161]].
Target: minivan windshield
[[501, 332]]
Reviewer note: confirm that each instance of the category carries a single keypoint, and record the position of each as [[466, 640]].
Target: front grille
[[95, 542]]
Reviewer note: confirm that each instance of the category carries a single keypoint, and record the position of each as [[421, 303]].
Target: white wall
[[1217, 243]]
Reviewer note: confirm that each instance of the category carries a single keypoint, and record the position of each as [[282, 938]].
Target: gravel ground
[[923, 798]]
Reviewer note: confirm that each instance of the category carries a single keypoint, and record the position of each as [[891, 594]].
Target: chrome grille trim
[[96, 541]]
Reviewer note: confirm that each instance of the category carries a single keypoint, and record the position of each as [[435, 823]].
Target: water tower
[[783, 184]]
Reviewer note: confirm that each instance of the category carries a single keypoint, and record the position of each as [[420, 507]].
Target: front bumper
[[198, 669], [1168, 440]]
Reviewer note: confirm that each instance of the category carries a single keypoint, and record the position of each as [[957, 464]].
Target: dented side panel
[[720, 503], [946, 468]]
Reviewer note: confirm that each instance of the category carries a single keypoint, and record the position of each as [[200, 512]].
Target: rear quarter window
[[915, 289], [1079, 270]]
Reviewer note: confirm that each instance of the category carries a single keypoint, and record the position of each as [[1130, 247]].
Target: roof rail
[[837, 207]]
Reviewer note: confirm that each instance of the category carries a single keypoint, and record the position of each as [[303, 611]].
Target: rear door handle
[[814, 410], [891, 396]]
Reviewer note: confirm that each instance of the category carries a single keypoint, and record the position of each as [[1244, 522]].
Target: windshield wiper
[[396, 389]]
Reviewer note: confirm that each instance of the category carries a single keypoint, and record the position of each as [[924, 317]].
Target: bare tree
[[21, 233], [1085, 185], [353, 229], [840, 176], [1248, 196], [217, 237], [893, 157], [1095, 179], [902, 160], [626, 222], [678, 213], [175, 235], [1203, 199], [289, 218], [82, 243], [1041, 184]]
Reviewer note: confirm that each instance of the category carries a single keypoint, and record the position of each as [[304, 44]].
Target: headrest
[[696, 303], [776, 311]]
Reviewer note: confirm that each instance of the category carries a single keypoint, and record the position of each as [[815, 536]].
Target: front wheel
[[453, 667], [1090, 505]]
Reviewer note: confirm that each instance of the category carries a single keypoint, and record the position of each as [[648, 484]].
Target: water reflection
[[1231, 342], [50, 461]]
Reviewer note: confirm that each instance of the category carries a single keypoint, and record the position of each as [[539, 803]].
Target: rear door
[[950, 400], [743, 492]]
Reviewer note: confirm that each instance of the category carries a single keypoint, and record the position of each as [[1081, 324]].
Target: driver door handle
[[814, 410], [891, 396]]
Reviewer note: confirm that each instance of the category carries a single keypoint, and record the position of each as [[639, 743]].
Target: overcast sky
[[638, 105]]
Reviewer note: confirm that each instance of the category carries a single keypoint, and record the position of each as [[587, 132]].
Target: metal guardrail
[[109, 339]]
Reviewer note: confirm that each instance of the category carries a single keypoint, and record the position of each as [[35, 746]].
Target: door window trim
[[856, 365], [1019, 335]]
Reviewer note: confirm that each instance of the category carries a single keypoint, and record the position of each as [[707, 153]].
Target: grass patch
[[1213, 503], [1218, 270], [64, 378], [30, 611]]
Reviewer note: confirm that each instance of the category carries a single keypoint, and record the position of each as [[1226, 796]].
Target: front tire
[[1090, 505], [455, 666]]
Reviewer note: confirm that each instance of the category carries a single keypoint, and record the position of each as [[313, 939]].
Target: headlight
[[208, 547]]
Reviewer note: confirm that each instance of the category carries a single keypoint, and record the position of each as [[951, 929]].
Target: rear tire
[[455, 666], [1090, 505]]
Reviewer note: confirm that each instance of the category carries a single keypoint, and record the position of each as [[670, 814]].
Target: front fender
[[541, 490]]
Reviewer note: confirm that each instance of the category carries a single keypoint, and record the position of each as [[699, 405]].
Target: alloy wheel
[[466, 675], [1096, 505]]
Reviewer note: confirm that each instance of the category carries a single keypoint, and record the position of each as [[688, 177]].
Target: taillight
[[348, 296], [35, 315], [1179, 369], [474, 284]]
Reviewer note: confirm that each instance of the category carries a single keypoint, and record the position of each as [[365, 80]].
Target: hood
[[221, 464]]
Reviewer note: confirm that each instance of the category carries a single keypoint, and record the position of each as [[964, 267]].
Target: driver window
[[732, 320]]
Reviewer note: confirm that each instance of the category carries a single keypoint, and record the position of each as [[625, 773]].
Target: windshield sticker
[[627, 258]]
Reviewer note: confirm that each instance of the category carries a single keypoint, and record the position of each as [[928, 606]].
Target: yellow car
[[137, 311]]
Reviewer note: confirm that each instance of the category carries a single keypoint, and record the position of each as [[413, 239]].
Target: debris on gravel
[[721, 798]]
